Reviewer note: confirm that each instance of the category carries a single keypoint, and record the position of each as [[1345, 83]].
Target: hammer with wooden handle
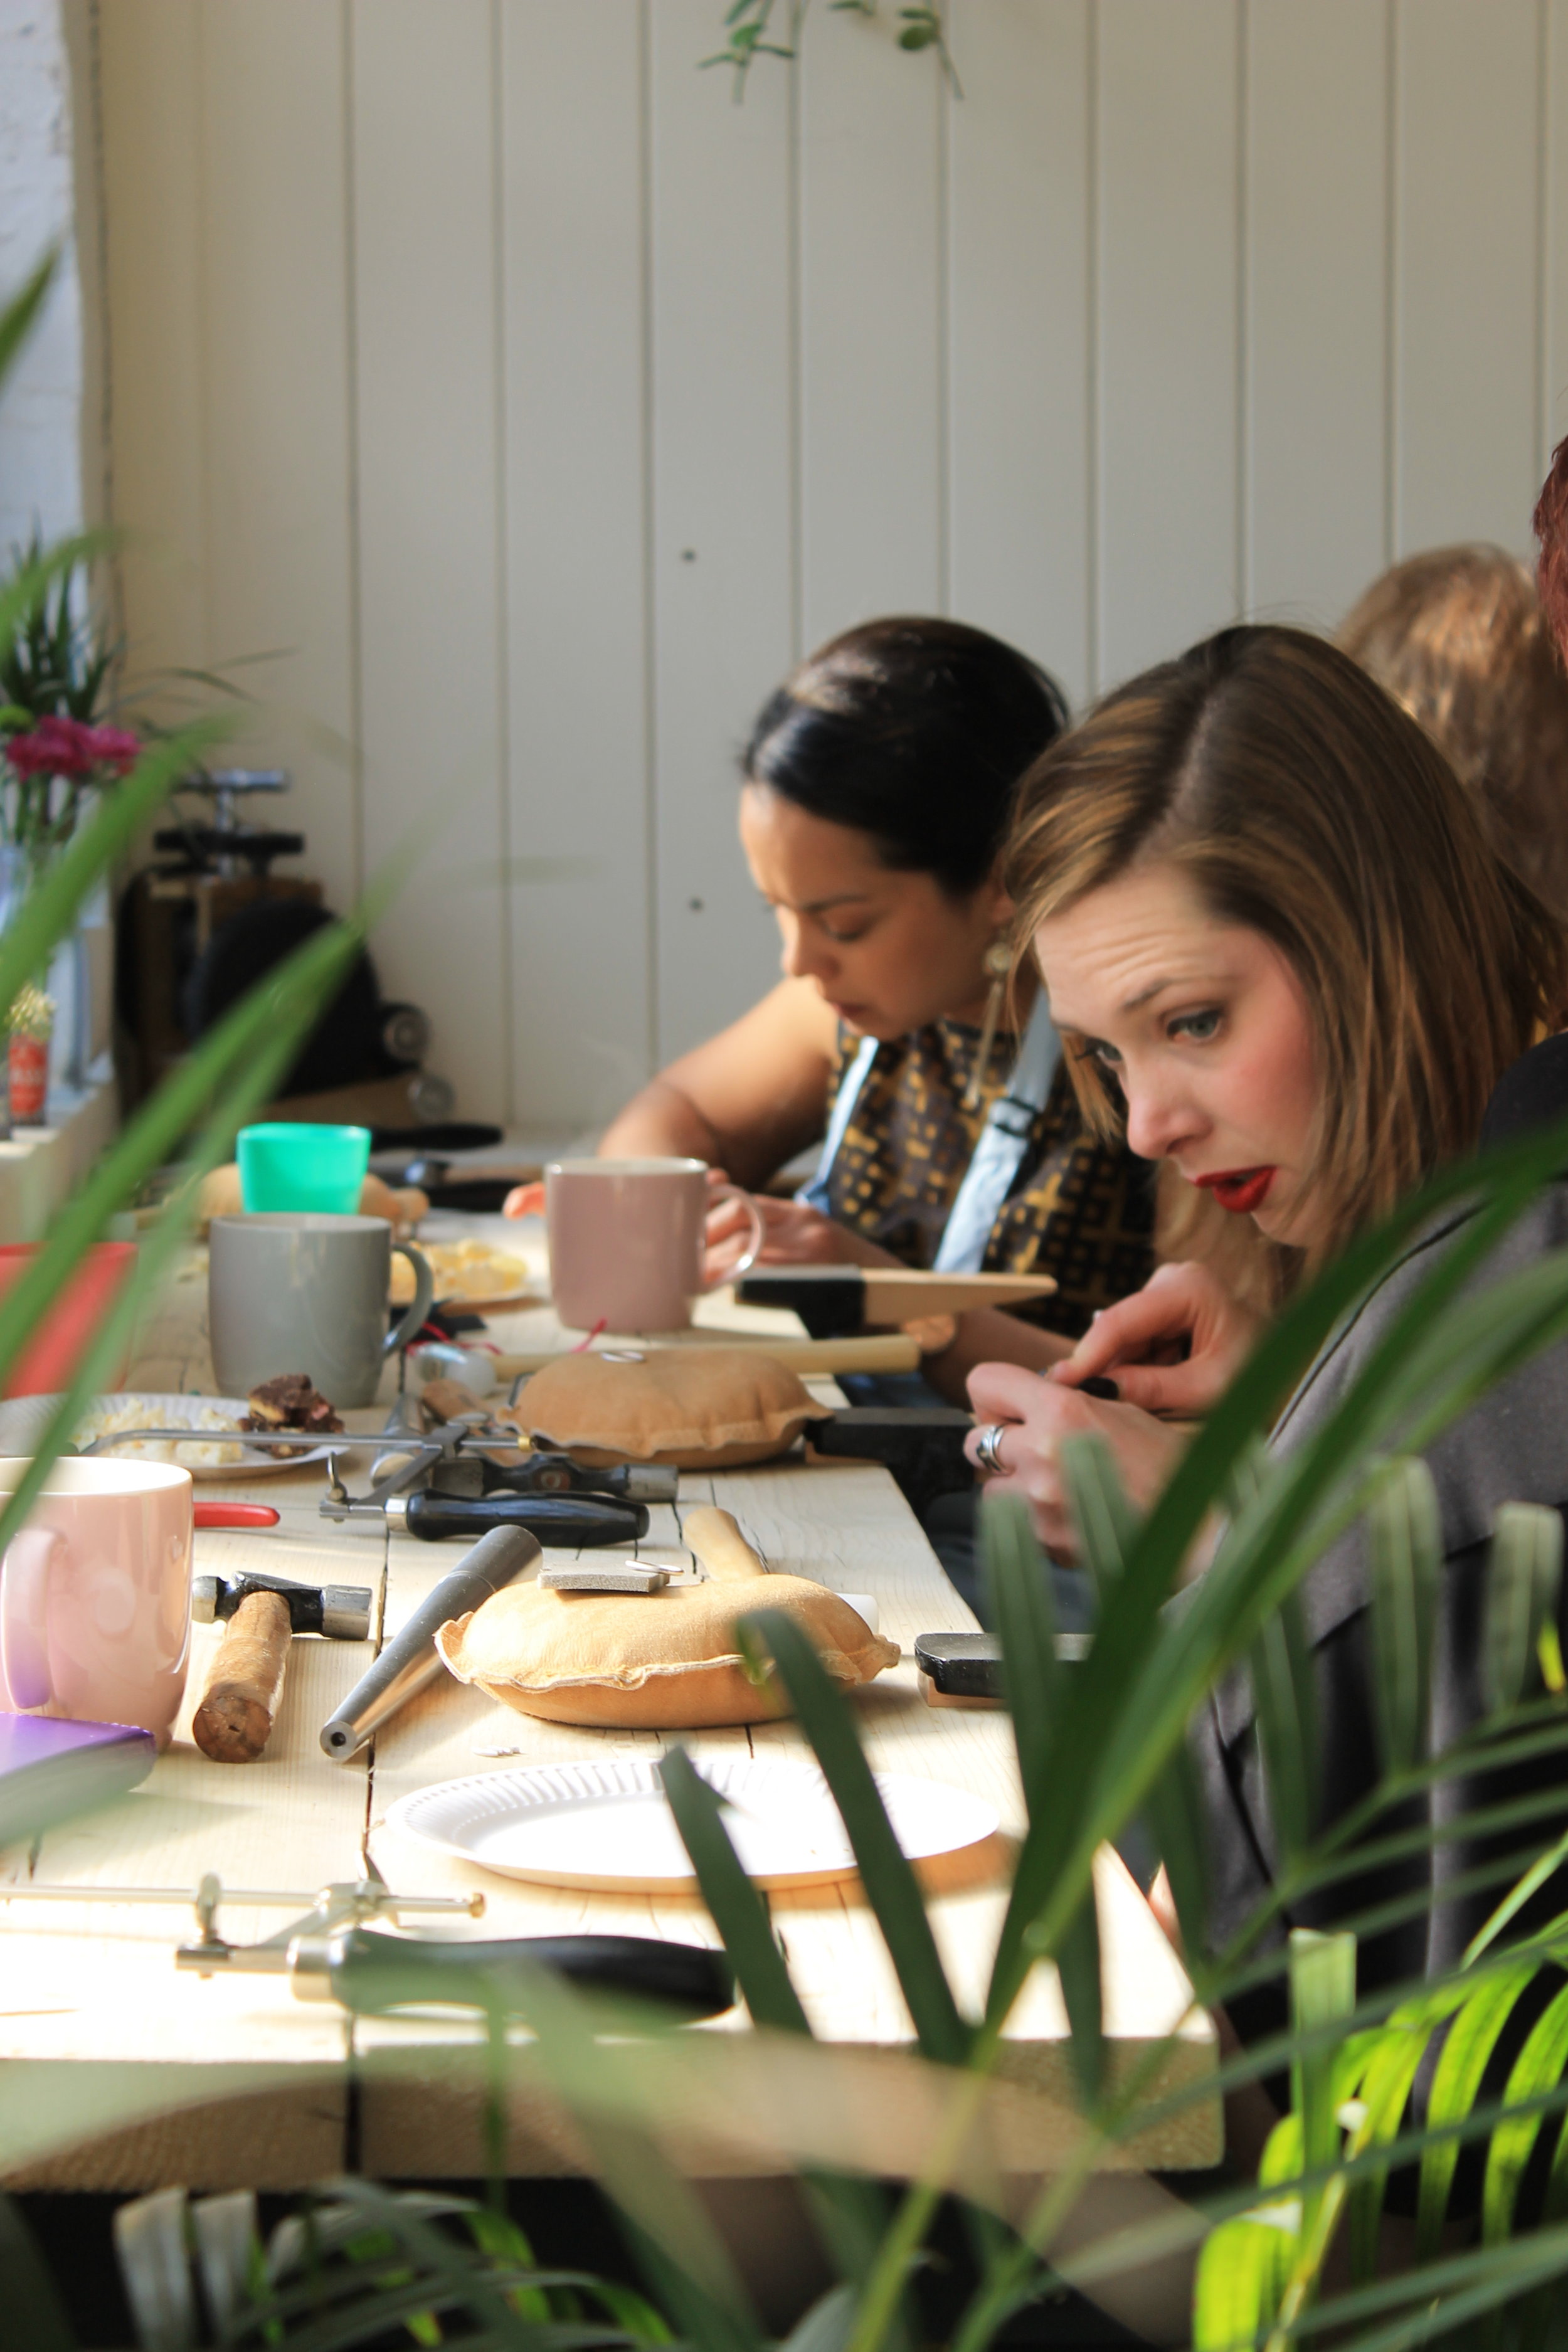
[[263, 1613]]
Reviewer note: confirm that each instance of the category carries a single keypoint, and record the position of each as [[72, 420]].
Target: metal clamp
[[344, 1903]]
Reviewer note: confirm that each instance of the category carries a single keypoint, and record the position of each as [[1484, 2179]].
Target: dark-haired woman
[[878, 787]]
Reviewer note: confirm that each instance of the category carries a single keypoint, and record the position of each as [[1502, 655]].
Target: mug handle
[[414, 1321], [749, 1256], [24, 1616]]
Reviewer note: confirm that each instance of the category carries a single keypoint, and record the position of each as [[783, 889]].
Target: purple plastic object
[[51, 1767]]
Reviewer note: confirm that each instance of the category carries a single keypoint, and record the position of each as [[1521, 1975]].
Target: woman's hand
[[1173, 1347], [1035, 1415], [793, 1233]]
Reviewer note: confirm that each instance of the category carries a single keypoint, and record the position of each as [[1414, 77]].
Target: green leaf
[[826, 2327], [1174, 1810], [1524, 1574], [1243, 2271], [1018, 1587], [1384, 2092], [1455, 2084], [736, 1908], [685, 2261], [20, 314], [1406, 1556], [1104, 1521], [437, 2259], [35, 2316], [891, 1888], [1285, 1698], [1544, 1866], [1538, 2067], [156, 2267], [1078, 1965], [848, 2214], [1323, 1993]]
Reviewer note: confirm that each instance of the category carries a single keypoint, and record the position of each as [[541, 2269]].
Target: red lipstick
[[1239, 1190]]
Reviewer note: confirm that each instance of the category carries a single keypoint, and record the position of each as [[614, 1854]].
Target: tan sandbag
[[658, 1662], [695, 1408]]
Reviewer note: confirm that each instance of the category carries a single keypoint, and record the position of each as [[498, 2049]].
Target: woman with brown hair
[[1458, 636], [1285, 962]]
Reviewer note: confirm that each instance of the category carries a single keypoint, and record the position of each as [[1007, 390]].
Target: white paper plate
[[23, 1421], [606, 1826]]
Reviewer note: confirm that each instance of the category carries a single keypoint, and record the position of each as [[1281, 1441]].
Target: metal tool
[[454, 1459], [921, 1446], [372, 1899], [340, 1611], [329, 1954], [572, 1522], [410, 1659], [555, 1474], [344, 1903], [263, 1613]]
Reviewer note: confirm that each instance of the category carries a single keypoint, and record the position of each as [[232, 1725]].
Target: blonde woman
[[1286, 963]]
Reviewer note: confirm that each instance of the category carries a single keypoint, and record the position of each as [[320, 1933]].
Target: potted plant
[[57, 754]]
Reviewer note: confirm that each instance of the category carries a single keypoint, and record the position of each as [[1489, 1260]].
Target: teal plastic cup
[[289, 1165]]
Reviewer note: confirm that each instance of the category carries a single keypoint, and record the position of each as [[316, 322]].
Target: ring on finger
[[987, 1443]]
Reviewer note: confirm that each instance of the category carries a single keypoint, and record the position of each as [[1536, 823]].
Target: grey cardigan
[[1511, 1446]]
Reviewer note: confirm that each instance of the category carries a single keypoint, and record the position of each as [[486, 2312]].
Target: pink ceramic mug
[[625, 1241], [95, 1593]]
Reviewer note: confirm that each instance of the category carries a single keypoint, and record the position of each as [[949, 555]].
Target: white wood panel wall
[[538, 405]]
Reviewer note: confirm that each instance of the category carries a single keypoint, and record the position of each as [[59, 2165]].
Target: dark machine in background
[[209, 919]]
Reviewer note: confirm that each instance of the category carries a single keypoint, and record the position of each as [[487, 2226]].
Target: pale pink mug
[[95, 1593], [625, 1241]]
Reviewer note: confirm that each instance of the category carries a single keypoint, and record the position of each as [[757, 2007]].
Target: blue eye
[[1199, 1026]]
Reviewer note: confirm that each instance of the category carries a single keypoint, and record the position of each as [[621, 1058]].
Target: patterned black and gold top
[[1078, 1210]]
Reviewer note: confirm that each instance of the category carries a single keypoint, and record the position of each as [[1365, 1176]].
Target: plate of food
[[473, 1272], [605, 1824], [218, 1426]]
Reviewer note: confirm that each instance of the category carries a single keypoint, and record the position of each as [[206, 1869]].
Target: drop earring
[[999, 964]]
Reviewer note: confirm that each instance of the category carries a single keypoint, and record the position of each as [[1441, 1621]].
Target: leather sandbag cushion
[[662, 1661], [693, 1408]]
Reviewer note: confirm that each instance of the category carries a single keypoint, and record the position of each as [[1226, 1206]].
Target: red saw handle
[[235, 1515]]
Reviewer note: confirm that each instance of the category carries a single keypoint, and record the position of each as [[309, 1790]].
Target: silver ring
[[987, 1442]]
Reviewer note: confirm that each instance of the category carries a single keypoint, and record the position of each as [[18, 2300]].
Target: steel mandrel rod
[[409, 1660]]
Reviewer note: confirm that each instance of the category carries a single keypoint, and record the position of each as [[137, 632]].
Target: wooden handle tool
[[890, 1351], [716, 1540], [245, 1689]]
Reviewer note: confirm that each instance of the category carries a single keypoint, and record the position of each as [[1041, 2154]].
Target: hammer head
[[341, 1611], [921, 1445]]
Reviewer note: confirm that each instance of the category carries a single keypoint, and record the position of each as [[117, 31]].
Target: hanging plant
[[750, 32]]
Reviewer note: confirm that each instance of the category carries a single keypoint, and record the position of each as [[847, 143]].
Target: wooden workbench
[[124, 2075]]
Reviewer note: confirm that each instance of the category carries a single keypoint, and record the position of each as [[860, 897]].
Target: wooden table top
[[254, 2087]]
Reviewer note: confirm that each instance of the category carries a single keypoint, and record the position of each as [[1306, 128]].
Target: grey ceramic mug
[[297, 1292]]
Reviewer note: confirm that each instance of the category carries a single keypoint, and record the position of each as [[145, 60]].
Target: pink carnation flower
[[70, 747]]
